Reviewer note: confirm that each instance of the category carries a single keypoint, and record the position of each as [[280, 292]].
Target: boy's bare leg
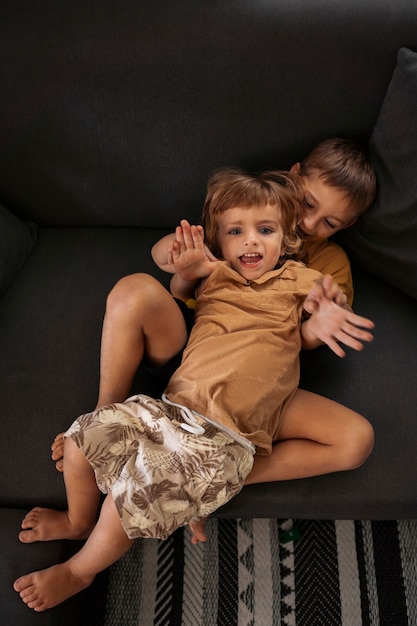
[[106, 544], [318, 436], [83, 498], [141, 317]]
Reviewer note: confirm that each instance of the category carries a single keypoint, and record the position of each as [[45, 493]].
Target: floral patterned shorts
[[160, 476]]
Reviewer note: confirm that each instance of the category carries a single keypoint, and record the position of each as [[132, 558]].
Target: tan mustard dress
[[241, 364]]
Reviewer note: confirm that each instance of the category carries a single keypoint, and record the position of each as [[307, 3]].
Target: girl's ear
[[295, 168]]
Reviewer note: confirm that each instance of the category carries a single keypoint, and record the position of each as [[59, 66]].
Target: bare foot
[[197, 528], [58, 452], [49, 587], [47, 525]]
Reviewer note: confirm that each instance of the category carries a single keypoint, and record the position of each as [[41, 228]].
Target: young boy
[[163, 463]]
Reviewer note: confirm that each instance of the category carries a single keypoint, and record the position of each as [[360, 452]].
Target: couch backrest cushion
[[384, 240], [117, 113]]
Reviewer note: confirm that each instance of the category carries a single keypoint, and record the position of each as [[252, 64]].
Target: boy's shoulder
[[324, 249], [328, 257]]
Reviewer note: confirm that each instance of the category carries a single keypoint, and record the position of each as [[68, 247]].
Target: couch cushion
[[50, 327], [383, 240], [17, 239]]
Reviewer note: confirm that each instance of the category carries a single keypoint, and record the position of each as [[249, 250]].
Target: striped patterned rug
[[265, 572]]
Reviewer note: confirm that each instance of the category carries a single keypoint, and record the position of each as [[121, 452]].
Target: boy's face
[[326, 209], [250, 239]]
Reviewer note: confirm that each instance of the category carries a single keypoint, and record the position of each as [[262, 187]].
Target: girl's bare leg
[[197, 528], [318, 436], [141, 317], [83, 498], [106, 544]]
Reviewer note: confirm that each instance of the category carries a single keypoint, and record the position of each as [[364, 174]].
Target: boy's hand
[[191, 258], [327, 288], [332, 322]]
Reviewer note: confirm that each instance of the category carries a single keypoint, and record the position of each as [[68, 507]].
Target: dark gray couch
[[113, 115]]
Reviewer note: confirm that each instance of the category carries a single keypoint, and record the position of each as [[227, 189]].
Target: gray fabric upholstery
[[17, 239], [384, 239]]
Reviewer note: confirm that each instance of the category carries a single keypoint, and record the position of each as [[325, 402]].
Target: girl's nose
[[251, 239]]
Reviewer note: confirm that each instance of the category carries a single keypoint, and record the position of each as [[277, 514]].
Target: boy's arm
[[331, 323], [327, 288], [160, 253]]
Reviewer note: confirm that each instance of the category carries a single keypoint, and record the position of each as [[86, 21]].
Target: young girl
[[165, 463]]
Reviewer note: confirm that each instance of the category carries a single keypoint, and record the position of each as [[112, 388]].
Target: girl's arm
[[183, 289], [184, 255], [162, 255], [331, 323], [193, 260]]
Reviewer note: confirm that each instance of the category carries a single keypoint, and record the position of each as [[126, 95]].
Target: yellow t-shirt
[[329, 258]]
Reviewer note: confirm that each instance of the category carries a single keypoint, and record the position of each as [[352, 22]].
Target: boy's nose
[[309, 225]]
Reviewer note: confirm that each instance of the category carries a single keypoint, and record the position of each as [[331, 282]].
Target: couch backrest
[[115, 113]]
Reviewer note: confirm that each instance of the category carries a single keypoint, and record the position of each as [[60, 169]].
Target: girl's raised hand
[[190, 257]]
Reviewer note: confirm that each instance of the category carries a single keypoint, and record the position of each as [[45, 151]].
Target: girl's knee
[[358, 445], [73, 457], [133, 291]]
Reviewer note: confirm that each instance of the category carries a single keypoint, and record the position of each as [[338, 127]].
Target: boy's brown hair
[[344, 164], [232, 187]]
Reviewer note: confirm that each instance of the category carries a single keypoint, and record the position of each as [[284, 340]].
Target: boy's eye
[[265, 230], [329, 224]]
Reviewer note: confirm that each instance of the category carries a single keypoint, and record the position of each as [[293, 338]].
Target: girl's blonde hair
[[231, 187]]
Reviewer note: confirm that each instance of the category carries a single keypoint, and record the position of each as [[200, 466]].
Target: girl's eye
[[234, 231], [265, 230], [329, 224], [308, 204]]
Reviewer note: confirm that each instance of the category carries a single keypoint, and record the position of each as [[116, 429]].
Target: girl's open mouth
[[250, 259]]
